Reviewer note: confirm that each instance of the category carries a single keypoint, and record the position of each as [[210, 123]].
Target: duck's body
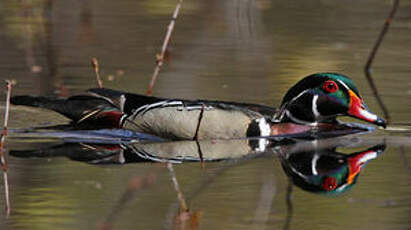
[[190, 119], [177, 119], [169, 118], [306, 105]]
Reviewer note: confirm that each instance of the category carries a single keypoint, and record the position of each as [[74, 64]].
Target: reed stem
[[160, 56], [367, 68]]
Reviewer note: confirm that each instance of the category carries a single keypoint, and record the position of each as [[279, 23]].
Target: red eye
[[330, 86], [329, 183]]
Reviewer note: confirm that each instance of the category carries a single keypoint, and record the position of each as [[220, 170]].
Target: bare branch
[[3, 161], [160, 56], [370, 60], [96, 69], [183, 204]]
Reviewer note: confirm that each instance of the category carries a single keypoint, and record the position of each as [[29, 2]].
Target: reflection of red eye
[[329, 183], [330, 86]]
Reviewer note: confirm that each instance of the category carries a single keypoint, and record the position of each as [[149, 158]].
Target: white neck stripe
[[314, 107], [314, 164], [296, 120]]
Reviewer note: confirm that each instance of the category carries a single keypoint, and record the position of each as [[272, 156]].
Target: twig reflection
[[264, 207], [183, 204], [136, 184], [289, 204], [405, 160], [2, 149]]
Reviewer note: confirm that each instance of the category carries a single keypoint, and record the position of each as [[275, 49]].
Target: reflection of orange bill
[[357, 161]]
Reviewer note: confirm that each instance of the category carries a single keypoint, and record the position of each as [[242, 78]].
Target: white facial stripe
[[342, 83], [314, 107], [314, 164], [299, 95]]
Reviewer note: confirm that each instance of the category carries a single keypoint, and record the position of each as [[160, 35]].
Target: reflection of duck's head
[[321, 97], [326, 171]]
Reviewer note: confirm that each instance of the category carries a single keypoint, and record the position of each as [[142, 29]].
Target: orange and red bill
[[359, 110]]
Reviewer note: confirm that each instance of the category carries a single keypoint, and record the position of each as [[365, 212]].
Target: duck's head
[[321, 97], [326, 171]]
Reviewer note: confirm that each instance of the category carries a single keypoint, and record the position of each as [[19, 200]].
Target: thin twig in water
[[289, 203], [405, 160], [173, 210], [160, 56], [94, 64], [263, 210], [135, 184], [183, 204], [370, 59], [2, 142], [185, 216]]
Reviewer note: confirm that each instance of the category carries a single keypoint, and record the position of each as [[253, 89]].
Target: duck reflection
[[103, 146], [324, 170], [315, 166], [174, 152], [89, 153]]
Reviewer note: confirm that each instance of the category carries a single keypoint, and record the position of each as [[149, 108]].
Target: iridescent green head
[[326, 171], [321, 97]]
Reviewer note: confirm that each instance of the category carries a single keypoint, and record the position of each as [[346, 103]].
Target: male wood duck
[[326, 171], [315, 101]]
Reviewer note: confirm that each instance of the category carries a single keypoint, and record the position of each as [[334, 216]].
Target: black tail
[[42, 102], [81, 109]]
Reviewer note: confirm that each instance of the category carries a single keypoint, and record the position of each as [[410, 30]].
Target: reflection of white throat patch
[[314, 107]]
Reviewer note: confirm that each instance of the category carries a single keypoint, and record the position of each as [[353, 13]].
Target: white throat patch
[[265, 130]]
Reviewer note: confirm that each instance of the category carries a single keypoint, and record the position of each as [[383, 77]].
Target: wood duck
[[325, 171], [313, 102]]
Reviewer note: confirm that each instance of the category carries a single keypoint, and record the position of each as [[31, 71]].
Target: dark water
[[250, 51]]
